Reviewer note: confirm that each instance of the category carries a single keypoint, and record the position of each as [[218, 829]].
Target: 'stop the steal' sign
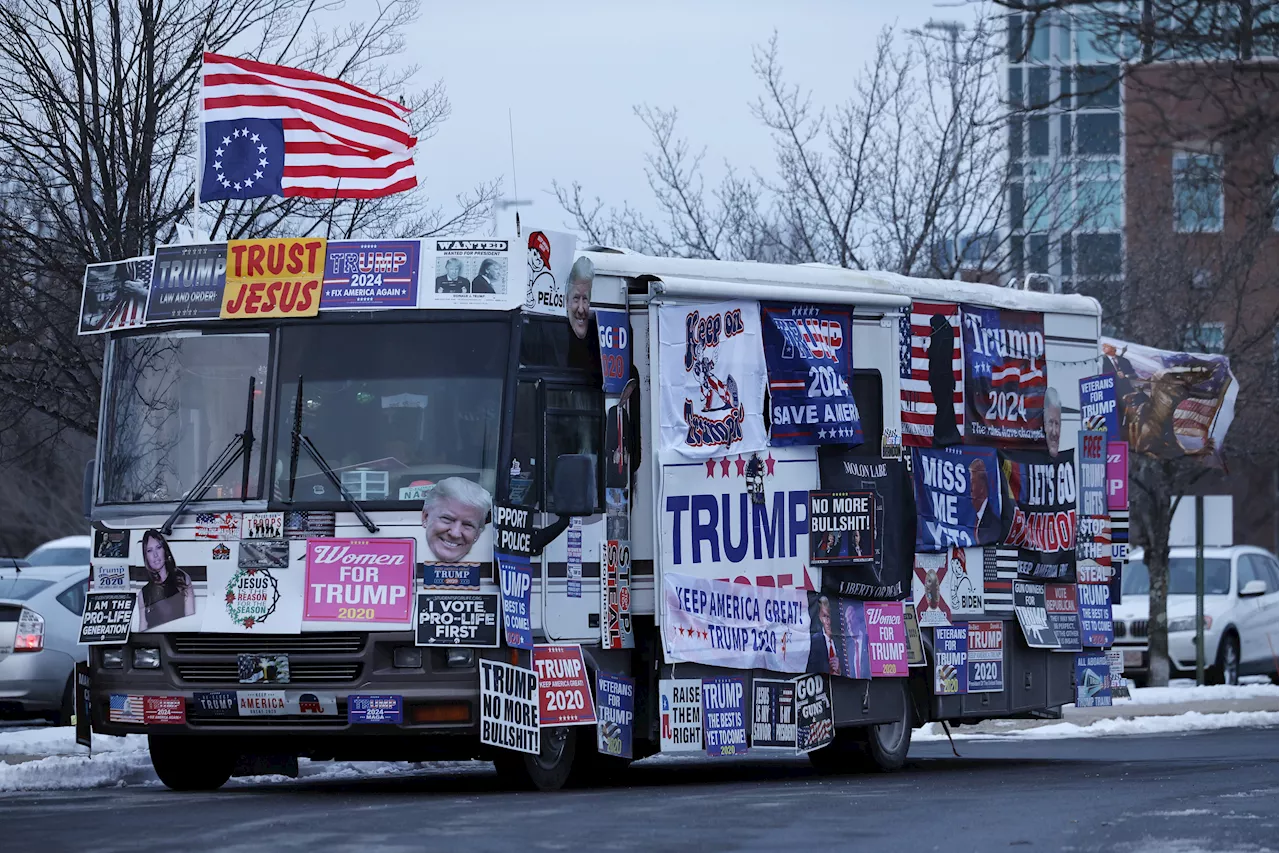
[[273, 278], [810, 360]]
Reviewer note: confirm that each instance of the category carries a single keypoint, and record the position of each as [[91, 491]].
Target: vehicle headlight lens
[[406, 657], [1187, 623], [112, 658], [144, 658], [461, 658]]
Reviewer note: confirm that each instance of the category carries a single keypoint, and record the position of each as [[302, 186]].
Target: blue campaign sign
[[724, 715], [376, 274], [957, 497], [1093, 680], [615, 713], [809, 354], [451, 575], [1096, 626], [516, 578], [375, 709], [1098, 405], [615, 348]]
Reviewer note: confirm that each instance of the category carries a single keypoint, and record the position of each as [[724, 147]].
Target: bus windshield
[[390, 406], [174, 402]]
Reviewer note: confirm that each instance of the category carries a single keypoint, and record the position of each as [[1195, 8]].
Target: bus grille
[[234, 644], [300, 672]]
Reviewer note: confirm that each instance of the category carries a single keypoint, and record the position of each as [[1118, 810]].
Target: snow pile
[[1191, 693], [1192, 721], [61, 740]]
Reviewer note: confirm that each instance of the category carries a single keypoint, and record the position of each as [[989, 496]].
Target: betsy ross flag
[[271, 130]]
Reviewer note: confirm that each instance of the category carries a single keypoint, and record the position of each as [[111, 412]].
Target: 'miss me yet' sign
[[742, 518]]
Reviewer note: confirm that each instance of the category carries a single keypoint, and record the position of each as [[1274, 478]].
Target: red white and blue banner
[[375, 274], [615, 349], [930, 368], [1004, 374], [809, 353], [713, 378]]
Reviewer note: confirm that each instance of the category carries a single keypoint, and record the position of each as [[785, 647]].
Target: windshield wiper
[[300, 441], [239, 445]]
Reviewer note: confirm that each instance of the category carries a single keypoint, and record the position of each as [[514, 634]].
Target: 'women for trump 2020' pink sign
[[359, 580]]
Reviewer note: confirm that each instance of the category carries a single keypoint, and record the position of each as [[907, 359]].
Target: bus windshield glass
[[392, 407], [174, 403]]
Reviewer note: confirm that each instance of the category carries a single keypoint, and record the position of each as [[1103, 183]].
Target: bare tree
[[913, 162], [98, 142]]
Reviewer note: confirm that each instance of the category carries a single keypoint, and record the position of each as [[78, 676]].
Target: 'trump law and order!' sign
[[735, 625], [273, 278], [362, 581], [742, 517]]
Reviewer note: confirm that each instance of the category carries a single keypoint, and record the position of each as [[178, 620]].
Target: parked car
[[1241, 614], [40, 610], [67, 551]]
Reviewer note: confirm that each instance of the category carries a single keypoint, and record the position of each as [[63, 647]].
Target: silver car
[[40, 609]]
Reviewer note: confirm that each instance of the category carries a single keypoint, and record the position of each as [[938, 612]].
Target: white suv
[[1240, 614]]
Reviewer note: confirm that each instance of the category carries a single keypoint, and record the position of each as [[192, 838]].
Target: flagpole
[[195, 201]]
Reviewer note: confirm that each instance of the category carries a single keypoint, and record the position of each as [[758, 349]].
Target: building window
[[1039, 34], [1206, 337], [1038, 197], [1197, 192], [1015, 139], [1038, 253], [1099, 39], [1098, 133], [1038, 136], [1015, 87], [1099, 195], [1015, 38], [1037, 88], [1098, 86], [1098, 255]]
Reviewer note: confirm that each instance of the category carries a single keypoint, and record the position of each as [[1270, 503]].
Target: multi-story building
[[1148, 180]]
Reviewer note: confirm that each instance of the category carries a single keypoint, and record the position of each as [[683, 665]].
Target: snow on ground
[[1191, 721], [60, 764], [1191, 693]]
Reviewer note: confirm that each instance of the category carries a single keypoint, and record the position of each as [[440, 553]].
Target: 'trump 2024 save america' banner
[[809, 354]]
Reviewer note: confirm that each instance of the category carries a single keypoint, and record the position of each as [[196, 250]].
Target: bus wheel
[[546, 771], [887, 743], [186, 764]]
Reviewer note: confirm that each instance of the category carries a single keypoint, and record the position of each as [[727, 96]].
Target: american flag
[[273, 130], [816, 735], [126, 708], [999, 571], [917, 402]]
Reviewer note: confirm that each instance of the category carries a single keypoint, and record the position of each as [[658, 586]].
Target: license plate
[[1132, 657], [263, 669]]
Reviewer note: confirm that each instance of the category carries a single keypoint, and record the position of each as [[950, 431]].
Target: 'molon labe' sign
[[273, 278]]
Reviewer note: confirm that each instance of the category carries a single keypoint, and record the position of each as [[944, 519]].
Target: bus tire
[[888, 743], [186, 764], [547, 771]]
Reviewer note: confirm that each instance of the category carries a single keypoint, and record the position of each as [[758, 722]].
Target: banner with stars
[[243, 158], [809, 355], [734, 625]]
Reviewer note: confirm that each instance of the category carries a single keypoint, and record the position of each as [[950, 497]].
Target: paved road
[[1215, 791]]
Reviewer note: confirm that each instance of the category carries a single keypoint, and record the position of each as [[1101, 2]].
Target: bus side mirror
[[573, 486], [87, 494]]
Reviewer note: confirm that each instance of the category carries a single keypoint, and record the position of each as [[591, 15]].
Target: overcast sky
[[571, 71]]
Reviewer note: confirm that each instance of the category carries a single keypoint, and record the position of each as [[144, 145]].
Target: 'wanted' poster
[[468, 272]]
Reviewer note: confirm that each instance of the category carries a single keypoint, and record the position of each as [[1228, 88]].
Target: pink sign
[[1117, 475], [359, 580], [887, 637]]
